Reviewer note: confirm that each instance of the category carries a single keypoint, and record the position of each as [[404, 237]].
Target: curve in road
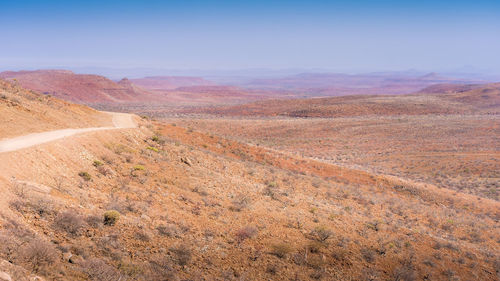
[[120, 121]]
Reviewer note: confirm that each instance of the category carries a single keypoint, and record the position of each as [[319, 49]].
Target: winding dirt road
[[120, 121]]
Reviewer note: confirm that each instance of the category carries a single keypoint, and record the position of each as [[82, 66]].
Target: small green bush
[[97, 163], [111, 217], [139, 168], [86, 176], [152, 148]]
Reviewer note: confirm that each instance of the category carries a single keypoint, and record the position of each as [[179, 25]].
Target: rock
[[186, 161], [75, 259], [67, 256], [4, 276]]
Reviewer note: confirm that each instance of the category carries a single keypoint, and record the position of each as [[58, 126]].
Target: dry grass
[[458, 152]]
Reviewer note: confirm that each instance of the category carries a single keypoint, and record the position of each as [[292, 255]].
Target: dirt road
[[120, 121]]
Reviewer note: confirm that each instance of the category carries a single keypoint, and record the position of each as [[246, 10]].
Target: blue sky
[[352, 36]]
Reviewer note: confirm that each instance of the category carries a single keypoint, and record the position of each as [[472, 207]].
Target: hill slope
[[80, 88], [23, 111]]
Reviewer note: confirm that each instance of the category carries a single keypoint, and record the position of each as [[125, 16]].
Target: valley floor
[[458, 152]]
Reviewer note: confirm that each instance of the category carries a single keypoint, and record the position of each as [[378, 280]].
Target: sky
[[343, 36]]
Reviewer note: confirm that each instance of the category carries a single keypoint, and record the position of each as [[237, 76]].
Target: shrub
[[132, 269], [271, 269], [315, 261], [43, 206], [239, 204], [272, 184], [142, 235], [246, 232], [160, 268], [94, 221], [368, 254], [38, 254], [315, 247], [111, 217], [404, 272], [97, 163], [181, 254], [69, 222], [104, 170], [97, 269], [139, 168], [40, 205], [281, 249], [321, 234], [168, 230], [375, 225], [86, 176], [271, 192], [152, 148], [107, 159]]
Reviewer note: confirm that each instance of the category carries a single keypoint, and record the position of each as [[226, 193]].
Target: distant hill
[[443, 99], [339, 84], [482, 97], [170, 82], [80, 88]]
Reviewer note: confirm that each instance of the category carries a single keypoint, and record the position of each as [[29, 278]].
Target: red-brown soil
[[80, 88]]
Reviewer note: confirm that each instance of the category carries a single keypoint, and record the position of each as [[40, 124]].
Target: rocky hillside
[[79, 88]]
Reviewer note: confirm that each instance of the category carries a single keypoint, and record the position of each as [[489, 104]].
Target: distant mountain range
[[190, 90]]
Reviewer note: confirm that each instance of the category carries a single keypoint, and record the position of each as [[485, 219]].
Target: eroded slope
[[23, 111]]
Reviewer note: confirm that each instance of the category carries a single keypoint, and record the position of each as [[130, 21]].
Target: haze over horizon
[[345, 36]]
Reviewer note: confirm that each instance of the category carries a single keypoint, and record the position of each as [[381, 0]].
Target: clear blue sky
[[355, 35]]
